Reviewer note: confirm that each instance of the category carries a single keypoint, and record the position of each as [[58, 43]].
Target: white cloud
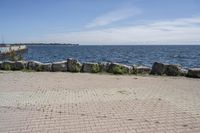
[[178, 31], [113, 16]]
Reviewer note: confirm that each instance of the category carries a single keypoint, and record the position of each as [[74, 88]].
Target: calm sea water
[[187, 56]]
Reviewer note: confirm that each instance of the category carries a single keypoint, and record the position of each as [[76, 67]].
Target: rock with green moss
[[173, 70], [104, 66], [183, 72], [59, 66], [141, 69], [91, 67], [158, 68], [34, 65], [13, 65], [46, 67], [117, 68], [1, 64], [73, 65], [8, 65], [194, 73], [20, 65], [166, 69]]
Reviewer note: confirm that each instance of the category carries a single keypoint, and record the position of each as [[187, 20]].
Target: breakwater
[[73, 65], [187, 56], [6, 49]]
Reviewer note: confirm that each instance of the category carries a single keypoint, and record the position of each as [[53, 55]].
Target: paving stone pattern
[[63, 103]]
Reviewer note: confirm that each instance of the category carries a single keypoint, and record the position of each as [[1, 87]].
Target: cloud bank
[[177, 31]]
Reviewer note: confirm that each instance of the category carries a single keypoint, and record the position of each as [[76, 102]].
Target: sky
[[100, 22]]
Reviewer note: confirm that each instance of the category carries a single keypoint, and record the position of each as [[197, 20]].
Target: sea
[[188, 56]]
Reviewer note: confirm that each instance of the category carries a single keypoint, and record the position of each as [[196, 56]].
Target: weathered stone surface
[[8, 65], [172, 70], [73, 65], [59, 66], [183, 72], [91, 67], [46, 67], [104, 66], [1, 64], [141, 70], [194, 73], [20, 65], [158, 68], [34, 65], [117, 68]]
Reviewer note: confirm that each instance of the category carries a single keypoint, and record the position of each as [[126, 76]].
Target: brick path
[[44, 102]]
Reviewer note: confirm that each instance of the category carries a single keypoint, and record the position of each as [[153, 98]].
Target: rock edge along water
[[73, 65]]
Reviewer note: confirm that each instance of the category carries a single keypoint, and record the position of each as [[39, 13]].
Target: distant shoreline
[[49, 44]]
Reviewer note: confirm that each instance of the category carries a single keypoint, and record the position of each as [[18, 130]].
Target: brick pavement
[[33, 103]]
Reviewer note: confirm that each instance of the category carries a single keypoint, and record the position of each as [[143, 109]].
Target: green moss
[[7, 67], [118, 70], [76, 68], [95, 68]]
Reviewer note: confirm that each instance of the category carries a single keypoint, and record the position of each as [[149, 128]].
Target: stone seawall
[[10, 48], [73, 65]]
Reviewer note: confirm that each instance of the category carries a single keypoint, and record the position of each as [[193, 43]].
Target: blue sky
[[101, 21]]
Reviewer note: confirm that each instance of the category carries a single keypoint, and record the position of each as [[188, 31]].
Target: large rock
[[20, 65], [104, 66], [34, 65], [183, 72], [194, 73], [117, 68], [91, 67], [73, 65], [46, 67], [158, 68], [13, 65], [8, 65], [59, 66], [173, 70], [141, 70], [1, 64]]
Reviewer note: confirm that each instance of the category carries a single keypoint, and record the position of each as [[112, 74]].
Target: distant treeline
[[68, 44]]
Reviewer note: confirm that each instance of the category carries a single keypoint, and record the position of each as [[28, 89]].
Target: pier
[[6, 49]]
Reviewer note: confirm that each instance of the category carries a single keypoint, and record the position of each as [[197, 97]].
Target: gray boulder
[[104, 66], [20, 65], [73, 65], [158, 68], [91, 67], [1, 64], [8, 65], [59, 66], [141, 70], [194, 73], [117, 68], [183, 72], [173, 70], [46, 67], [34, 65]]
